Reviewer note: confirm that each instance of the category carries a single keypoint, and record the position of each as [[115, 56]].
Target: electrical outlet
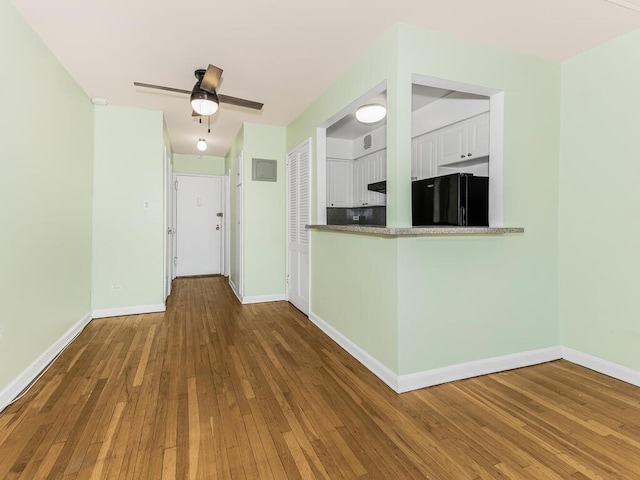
[[146, 204], [1, 333], [356, 218], [116, 287]]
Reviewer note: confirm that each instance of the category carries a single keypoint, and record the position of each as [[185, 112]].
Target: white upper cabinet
[[370, 168], [424, 151], [464, 141], [339, 183], [479, 136]]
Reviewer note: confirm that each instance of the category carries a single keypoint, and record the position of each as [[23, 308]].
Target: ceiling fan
[[204, 96]]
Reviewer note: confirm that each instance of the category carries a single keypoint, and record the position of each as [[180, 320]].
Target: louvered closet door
[[298, 217]]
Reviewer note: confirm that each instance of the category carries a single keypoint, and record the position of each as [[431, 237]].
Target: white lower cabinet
[[339, 183]]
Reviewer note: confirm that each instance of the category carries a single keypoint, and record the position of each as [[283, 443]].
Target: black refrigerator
[[460, 199]]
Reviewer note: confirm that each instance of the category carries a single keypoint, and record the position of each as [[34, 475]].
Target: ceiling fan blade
[[160, 87], [240, 102], [211, 79]]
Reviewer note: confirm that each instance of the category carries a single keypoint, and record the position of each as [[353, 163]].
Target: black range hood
[[380, 187]]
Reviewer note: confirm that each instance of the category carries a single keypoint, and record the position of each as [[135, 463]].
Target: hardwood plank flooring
[[212, 389]]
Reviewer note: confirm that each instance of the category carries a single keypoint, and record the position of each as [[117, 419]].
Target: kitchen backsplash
[[366, 216]]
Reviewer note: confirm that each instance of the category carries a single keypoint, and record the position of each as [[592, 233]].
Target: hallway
[[213, 389]]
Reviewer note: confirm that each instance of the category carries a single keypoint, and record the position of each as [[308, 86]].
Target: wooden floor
[[215, 390]]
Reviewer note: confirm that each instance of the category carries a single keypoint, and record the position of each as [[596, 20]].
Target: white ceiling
[[284, 53]]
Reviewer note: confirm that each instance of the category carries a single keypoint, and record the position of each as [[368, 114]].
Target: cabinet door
[[359, 179], [425, 155], [478, 136], [453, 143], [339, 183], [373, 175], [414, 158]]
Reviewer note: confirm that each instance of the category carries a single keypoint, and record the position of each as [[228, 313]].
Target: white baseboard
[[601, 365], [14, 388], [378, 368], [122, 311], [256, 298], [278, 297], [436, 376]]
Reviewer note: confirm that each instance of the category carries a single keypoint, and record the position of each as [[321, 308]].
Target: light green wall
[[45, 198], [198, 164], [354, 280], [127, 237], [264, 213], [369, 320], [599, 200], [462, 299], [443, 294]]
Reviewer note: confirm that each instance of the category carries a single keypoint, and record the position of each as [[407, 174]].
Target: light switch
[[199, 201]]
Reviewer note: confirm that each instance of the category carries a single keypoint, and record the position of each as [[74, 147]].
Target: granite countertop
[[416, 231]]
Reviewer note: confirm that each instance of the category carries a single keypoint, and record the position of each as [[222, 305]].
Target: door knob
[[217, 227]]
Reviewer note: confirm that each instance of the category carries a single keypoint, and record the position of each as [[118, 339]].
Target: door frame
[[227, 223], [239, 218], [312, 177], [169, 226], [222, 223]]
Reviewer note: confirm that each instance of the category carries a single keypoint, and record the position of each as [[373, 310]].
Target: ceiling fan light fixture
[[204, 103], [371, 113], [201, 145]]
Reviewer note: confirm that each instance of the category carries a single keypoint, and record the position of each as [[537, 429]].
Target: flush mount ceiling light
[[201, 145], [371, 113], [630, 4]]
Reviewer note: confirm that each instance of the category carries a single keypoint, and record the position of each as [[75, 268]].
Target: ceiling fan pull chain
[[208, 124]]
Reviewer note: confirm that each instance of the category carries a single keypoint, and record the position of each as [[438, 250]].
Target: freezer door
[[436, 201]]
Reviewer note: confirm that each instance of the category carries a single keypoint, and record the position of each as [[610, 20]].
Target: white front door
[[199, 228], [298, 187]]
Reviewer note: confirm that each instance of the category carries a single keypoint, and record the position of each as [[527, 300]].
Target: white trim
[[496, 137], [23, 380], [321, 147], [601, 365], [428, 378], [376, 367], [122, 311], [321, 176], [436, 376], [227, 223], [276, 297]]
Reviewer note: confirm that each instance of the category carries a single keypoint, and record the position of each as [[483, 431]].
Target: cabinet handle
[[468, 154], [461, 156]]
